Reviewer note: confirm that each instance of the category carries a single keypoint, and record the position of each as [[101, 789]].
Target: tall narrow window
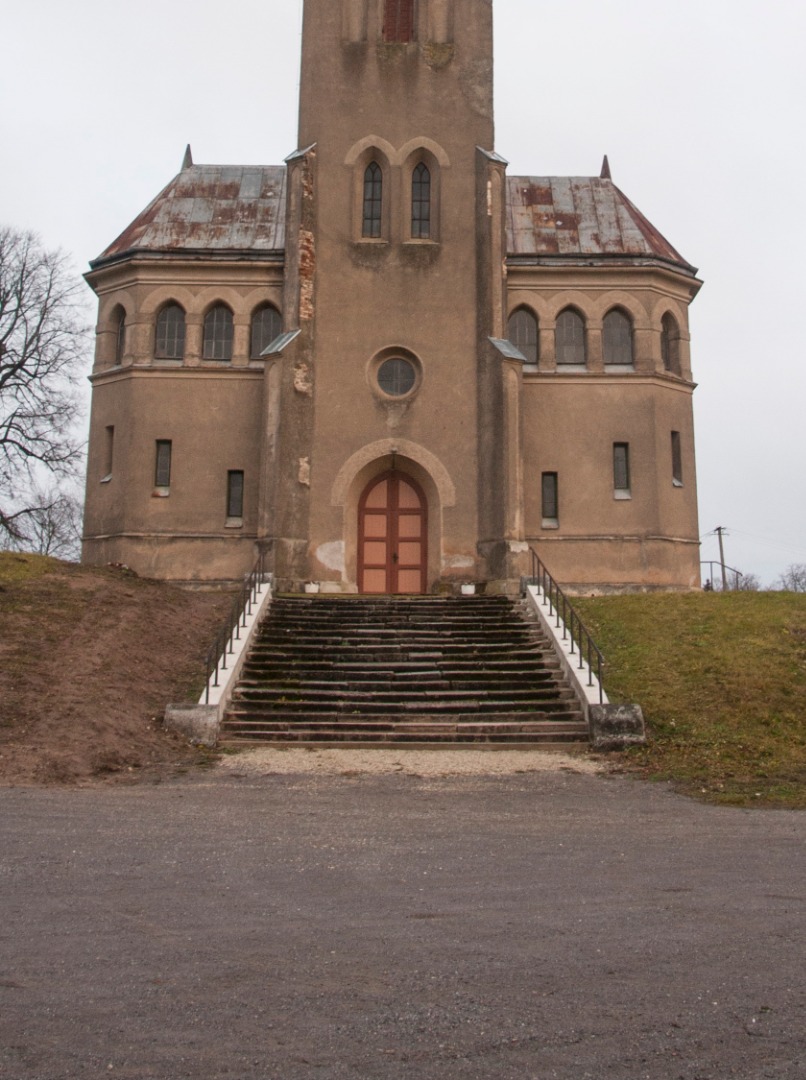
[[550, 500], [234, 494], [421, 203], [617, 334], [398, 20], [670, 344], [677, 460], [109, 453], [522, 331], [373, 201], [162, 470], [621, 470], [570, 338], [267, 324], [218, 333], [170, 339], [120, 337]]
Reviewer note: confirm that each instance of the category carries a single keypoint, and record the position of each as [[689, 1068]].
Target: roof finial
[[605, 174], [187, 160]]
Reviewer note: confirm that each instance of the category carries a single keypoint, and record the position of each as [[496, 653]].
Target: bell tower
[[395, 281]]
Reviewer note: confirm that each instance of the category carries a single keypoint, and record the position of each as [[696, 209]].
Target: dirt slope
[[88, 660]]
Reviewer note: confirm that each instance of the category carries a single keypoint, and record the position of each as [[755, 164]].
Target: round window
[[397, 376]]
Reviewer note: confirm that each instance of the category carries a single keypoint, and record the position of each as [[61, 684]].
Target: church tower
[[386, 451]]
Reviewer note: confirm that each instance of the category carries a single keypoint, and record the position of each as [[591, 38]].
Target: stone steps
[[381, 671]]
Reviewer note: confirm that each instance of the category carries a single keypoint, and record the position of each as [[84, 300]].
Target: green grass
[[18, 567], [722, 682]]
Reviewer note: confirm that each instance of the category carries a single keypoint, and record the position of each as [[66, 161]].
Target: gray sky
[[698, 103]]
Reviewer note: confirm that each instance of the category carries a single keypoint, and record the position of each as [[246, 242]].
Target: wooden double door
[[392, 536]]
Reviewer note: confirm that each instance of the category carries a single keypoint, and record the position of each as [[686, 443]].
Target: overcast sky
[[699, 104]]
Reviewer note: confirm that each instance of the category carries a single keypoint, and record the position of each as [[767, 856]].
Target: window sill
[[160, 493], [550, 523], [233, 523], [106, 479], [372, 241], [677, 483], [620, 369], [169, 361], [621, 495], [420, 241]]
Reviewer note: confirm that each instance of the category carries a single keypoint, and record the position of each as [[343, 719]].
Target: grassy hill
[[722, 682]]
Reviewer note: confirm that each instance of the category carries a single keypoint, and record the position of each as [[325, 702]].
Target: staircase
[[361, 670]]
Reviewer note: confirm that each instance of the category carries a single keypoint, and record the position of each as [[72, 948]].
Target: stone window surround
[[397, 169], [141, 328], [647, 354]]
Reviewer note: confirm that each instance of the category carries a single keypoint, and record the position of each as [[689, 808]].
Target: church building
[[386, 363]]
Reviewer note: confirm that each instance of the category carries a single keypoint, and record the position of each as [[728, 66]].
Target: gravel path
[[353, 762]]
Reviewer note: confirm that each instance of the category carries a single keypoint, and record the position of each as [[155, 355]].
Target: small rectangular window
[[677, 460], [162, 472], [550, 499], [621, 470], [109, 453], [234, 493]]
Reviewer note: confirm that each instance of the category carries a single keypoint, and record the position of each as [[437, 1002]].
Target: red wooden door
[[392, 536]]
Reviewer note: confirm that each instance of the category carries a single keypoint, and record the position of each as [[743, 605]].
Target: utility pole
[[720, 529]]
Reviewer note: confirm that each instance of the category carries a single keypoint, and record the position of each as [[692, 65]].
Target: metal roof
[[231, 209], [211, 208], [580, 217]]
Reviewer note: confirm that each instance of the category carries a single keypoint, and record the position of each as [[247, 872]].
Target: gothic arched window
[[398, 20], [421, 203], [267, 324], [570, 338], [617, 338], [218, 333], [670, 344], [373, 201], [522, 331], [170, 338]]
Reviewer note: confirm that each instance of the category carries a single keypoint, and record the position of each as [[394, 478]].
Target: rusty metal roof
[[211, 208], [234, 209], [580, 217]]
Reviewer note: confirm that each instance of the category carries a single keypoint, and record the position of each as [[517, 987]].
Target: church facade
[[386, 363]]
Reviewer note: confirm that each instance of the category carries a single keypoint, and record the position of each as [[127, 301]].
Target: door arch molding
[[389, 448]]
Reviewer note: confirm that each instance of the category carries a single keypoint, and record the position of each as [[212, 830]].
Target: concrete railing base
[[198, 724], [616, 727]]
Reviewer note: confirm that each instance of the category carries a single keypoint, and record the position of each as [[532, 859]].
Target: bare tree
[[793, 578], [747, 583], [43, 344], [53, 525]]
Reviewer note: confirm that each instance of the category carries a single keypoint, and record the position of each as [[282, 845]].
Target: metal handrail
[[573, 628], [711, 563], [224, 642]]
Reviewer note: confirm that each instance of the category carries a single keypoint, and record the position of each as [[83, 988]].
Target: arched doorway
[[392, 536]]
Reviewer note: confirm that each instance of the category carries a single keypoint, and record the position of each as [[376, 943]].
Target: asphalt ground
[[529, 926]]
